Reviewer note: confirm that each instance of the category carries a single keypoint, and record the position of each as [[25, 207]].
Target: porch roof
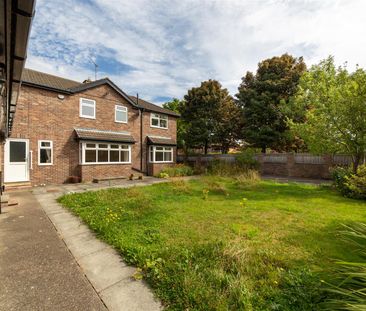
[[100, 135], [154, 140]]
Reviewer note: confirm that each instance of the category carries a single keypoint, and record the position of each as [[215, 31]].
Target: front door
[[16, 166]]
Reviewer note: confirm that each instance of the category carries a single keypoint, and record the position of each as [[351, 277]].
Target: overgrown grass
[[220, 243]]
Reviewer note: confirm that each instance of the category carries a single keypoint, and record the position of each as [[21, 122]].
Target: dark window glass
[[159, 156], [90, 156], [102, 155], [168, 156], [45, 155], [17, 151], [124, 156], [114, 156]]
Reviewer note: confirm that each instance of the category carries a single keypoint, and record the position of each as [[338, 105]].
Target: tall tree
[[334, 101], [209, 113], [177, 105], [260, 96]]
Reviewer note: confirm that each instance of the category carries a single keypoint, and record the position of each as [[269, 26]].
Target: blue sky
[[160, 49]]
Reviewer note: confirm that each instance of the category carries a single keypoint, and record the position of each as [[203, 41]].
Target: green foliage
[[333, 100], [261, 96], [351, 184], [339, 175], [211, 116], [242, 165], [178, 170], [247, 160], [356, 183], [349, 282], [177, 105]]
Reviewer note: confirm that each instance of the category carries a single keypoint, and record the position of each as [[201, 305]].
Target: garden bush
[[247, 160], [350, 184], [177, 170]]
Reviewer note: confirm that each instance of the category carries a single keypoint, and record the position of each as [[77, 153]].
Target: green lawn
[[220, 244]]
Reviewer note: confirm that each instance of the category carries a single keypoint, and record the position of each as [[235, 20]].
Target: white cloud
[[166, 47]]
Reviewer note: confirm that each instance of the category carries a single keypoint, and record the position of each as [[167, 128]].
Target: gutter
[[18, 19]]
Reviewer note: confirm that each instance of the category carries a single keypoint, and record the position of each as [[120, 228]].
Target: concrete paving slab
[[105, 268], [84, 244], [132, 295], [37, 271], [102, 265]]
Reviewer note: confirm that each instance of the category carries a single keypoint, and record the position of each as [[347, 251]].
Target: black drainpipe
[[141, 114]]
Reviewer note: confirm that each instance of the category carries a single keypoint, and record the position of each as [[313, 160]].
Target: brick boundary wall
[[283, 164]]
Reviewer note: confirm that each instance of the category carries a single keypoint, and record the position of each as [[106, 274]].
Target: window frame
[[158, 116], [94, 104], [116, 108], [152, 153], [47, 148], [83, 148]]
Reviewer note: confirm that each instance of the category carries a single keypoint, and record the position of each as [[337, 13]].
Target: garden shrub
[[247, 160], [177, 170], [339, 175], [350, 184], [225, 168], [356, 183]]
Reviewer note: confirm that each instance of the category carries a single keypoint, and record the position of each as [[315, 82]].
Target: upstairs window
[[120, 114], [45, 152], [87, 108], [159, 120]]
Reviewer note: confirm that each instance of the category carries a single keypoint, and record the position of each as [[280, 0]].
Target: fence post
[[328, 163], [290, 165], [261, 163]]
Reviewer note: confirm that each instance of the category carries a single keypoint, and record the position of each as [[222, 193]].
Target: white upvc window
[[159, 154], [159, 120], [120, 114], [105, 153], [45, 152], [87, 108]]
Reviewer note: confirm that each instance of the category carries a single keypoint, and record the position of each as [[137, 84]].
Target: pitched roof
[[154, 140], [59, 84], [98, 135], [152, 107], [30, 76]]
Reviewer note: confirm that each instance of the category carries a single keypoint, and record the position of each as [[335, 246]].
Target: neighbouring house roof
[[99, 135], [154, 140], [62, 85]]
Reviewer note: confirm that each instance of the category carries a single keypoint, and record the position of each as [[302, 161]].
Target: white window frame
[[158, 117], [41, 147], [152, 151], [89, 103], [120, 108], [83, 148]]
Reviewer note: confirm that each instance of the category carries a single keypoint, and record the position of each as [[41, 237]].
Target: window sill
[[158, 127], [45, 164], [85, 117], [163, 162], [106, 163]]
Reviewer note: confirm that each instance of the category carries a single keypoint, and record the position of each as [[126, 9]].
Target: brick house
[[63, 128]]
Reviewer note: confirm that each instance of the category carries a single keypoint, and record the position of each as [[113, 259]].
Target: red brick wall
[[42, 115]]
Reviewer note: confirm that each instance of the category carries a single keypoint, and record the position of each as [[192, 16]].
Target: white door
[[16, 167]]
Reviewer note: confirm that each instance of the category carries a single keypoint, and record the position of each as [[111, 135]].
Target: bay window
[[159, 154], [104, 153]]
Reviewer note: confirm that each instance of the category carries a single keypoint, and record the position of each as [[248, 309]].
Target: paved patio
[[72, 269]]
